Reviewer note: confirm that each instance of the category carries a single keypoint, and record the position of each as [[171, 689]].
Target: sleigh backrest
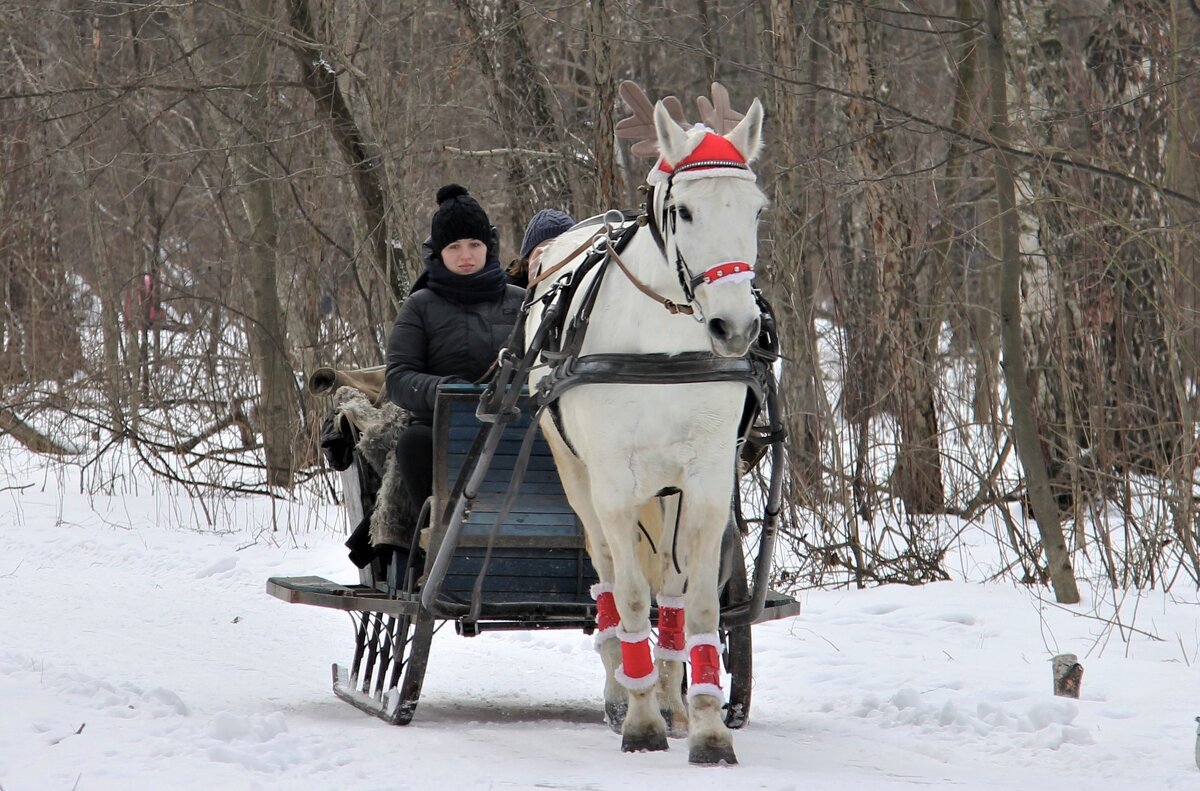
[[538, 552]]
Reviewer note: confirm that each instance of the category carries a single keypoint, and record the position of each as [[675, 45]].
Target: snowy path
[[140, 653]]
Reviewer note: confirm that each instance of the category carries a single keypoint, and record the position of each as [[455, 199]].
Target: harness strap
[[652, 222], [686, 368]]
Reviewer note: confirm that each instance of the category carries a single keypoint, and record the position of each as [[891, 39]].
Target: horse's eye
[[685, 214]]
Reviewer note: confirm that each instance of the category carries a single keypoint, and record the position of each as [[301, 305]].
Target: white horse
[[620, 447]]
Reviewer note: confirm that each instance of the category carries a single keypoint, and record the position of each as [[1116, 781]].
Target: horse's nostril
[[718, 329]]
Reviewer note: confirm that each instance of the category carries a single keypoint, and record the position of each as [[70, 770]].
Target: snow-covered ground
[[138, 650]]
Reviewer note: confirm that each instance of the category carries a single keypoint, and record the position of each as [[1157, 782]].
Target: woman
[[459, 313]]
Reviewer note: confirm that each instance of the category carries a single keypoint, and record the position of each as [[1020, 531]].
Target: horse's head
[[706, 204]]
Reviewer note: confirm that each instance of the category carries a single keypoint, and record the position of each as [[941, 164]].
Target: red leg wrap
[[606, 611], [670, 628], [635, 659], [705, 667]]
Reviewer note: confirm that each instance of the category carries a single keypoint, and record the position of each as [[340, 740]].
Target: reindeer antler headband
[[712, 151]]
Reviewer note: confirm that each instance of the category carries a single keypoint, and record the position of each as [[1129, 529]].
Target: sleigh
[[516, 562]]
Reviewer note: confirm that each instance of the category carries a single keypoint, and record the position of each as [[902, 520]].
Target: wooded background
[[201, 201]]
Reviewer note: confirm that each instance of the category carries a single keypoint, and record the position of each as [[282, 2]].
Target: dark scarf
[[485, 285]]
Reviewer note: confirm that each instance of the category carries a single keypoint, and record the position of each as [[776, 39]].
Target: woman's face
[[465, 257]]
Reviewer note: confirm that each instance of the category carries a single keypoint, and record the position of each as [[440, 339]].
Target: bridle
[[662, 217]]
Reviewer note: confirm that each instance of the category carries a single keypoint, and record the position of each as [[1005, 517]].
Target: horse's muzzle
[[730, 339]]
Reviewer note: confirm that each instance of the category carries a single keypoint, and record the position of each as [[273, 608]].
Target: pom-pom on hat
[[546, 224], [458, 216]]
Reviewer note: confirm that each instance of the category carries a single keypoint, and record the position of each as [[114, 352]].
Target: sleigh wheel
[[737, 651]]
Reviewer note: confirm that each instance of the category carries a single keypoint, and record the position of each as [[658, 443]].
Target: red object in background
[[140, 303]]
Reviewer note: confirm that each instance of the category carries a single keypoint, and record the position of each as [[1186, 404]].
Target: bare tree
[[1028, 440], [897, 358]]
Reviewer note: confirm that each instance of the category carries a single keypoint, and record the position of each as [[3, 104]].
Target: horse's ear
[[672, 138], [747, 135]]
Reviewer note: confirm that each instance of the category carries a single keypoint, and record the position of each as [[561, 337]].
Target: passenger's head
[[460, 231], [545, 226]]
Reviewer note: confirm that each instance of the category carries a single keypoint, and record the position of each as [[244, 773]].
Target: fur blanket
[[394, 518]]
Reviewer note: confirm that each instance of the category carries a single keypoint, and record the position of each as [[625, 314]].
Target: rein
[[566, 260]]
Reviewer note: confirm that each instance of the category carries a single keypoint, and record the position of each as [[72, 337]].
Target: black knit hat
[[458, 216], [546, 224]]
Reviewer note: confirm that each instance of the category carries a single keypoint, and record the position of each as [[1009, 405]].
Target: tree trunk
[[1128, 59], [608, 181], [788, 282], [906, 360], [516, 88], [277, 413], [1028, 440], [362, 155]]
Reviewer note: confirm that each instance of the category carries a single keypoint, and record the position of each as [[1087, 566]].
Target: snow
[[140, 651]]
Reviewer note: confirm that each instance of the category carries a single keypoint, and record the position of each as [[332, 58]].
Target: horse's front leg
[[644, 728], [702, 526]]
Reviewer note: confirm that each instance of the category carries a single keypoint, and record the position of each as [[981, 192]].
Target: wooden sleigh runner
[[516, 561]]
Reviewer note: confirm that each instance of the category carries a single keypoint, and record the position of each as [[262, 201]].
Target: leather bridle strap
[[672, 307]]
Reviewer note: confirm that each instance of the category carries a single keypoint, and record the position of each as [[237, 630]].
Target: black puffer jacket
[[437, 340]]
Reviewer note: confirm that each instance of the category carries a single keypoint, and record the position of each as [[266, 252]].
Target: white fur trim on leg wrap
[[711, 638], [645, 682], [677, 602], [602, 636], [633, 637], [669, 654], [601, 587], [705, 689]]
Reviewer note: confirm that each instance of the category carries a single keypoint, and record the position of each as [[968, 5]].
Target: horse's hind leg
[[608, 621], [670, 655], [644, 728], [656, 525]]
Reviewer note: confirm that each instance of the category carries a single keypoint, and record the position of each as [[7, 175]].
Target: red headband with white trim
[[714, 155]]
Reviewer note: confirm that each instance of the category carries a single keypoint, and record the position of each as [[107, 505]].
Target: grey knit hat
[[546, 224]]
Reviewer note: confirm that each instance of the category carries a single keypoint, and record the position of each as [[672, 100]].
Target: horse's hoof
[[677, 723], [712, 753], [614, 714], [643, 741]]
